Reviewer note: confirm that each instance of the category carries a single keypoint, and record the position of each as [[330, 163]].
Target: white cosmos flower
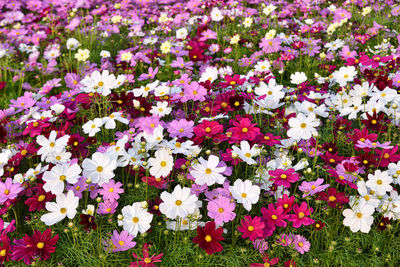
[[359, 218], [145, 90], [262, 66], [216, 14], [302, 127], [135, 219], [101, 83], [178, 203], [344, 75], [272, 90], [298, 78], [210, 74], [65, 206], [54, 179], [367, 194], [51, 145], [161, 164], [161, 109], [92, 127], [245, 193], [380, 182], [207, 172], [109, 122], [100, 169], [5, 155], [181, 33], [246, 153]]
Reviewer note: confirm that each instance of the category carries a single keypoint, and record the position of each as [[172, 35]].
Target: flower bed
[[199, 133]]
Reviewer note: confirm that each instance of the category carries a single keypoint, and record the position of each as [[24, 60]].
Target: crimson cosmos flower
[[207, 238], [333, 197], [39, 245]]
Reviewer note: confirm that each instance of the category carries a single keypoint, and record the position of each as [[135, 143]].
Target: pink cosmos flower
[[8, 190], [221, 210], [107, 207], [180, 128], [251, 228], [194, 92], [300, 217], [145, 76], [301, 244], [313, 187], [111, 190], [261, 245], [121, 241]]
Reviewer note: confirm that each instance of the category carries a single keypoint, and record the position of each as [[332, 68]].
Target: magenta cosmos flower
[[300, 217], [251, 228], [274, 216], [8, 190], [221, 210], [284, 177]]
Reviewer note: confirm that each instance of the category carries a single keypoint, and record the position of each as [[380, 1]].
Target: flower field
[[199, 133]]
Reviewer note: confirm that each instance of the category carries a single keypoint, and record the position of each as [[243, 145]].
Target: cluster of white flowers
[[377, 194]]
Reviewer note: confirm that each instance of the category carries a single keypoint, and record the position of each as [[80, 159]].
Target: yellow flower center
[[208, 238], [332, 198], [245, 130], [301, 214], [147, 260], [359, 214], [163, 163], [6, 192], [178, 202], [63, 177], [63, 210], [40, 245], [135, 219], [121, 243], [244, 195], [303, 125], [220, 210], [3, 252], [250, 228], [41, 198], [111, 190], [379, 182], [99, 169]]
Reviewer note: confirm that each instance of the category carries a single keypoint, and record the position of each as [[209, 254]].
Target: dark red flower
[[38, 201], [88, 222], [333, 197], [318, 225], [207, 238], [375, 122]]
